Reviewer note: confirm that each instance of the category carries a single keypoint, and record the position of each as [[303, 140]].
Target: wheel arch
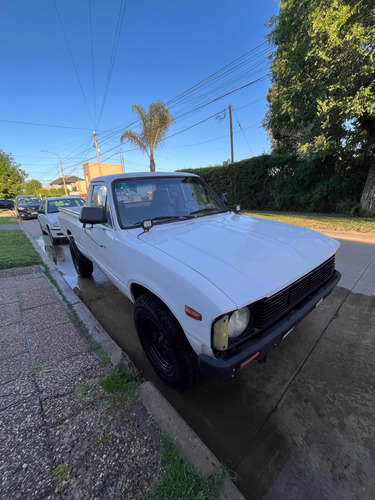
[[137, 290]]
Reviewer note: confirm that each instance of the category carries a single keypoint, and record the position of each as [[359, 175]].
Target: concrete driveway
[[299, 426]]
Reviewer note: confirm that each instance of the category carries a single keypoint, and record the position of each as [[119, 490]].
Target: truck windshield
[[164, 199]]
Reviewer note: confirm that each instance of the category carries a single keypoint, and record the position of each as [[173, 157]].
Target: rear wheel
[[165, 343], [83, 266]]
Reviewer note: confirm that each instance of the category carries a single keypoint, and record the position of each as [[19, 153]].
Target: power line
[[92, 62], [44, 125], [72, 59], [194, 95], [213, 100], [212, 76], [206, 104], [211, 140], [252, 102], [119, 25], [239, 124], [187, 96], [195, 124]]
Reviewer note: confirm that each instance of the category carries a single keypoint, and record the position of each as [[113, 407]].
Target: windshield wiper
[[165, 217], [171, 217], [212, 210]]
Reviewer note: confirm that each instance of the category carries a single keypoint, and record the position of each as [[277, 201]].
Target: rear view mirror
[[92, 215]]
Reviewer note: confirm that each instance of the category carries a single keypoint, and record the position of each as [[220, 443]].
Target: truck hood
[[247, 258]]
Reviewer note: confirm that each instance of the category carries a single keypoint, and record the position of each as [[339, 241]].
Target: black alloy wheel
[[164, 343]]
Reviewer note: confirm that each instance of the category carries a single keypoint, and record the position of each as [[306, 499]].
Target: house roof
[[69, 179]]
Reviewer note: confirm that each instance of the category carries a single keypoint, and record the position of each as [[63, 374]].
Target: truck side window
[[99, 199]]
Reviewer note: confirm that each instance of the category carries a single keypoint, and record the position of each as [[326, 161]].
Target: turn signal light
[[193, 314], [249, 360]]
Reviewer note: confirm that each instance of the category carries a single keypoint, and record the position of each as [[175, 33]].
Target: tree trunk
[[368, 194], [152, 162]]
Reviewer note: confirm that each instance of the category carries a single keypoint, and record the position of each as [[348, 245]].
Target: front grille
[[268, 310]]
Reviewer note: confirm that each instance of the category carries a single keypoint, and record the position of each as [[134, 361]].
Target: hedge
[[283, 182]]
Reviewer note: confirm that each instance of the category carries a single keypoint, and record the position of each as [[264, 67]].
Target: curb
[[190, 447]]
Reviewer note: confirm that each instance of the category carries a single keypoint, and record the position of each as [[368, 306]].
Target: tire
[[54, 241], [164, 343], [83, 266], [43, 231]]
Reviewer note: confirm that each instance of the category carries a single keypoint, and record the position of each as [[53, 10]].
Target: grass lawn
[[321, 222], [16, 250], [8, 219]]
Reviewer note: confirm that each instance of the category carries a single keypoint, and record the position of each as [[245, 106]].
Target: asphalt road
[[300, 425]]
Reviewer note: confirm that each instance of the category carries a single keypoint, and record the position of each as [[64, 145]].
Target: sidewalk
[[60, 435]]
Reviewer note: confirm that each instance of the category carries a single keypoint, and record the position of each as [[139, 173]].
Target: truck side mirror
[[92, 215], [236, 208]]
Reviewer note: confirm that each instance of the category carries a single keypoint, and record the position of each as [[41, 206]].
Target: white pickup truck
[[213, 291]]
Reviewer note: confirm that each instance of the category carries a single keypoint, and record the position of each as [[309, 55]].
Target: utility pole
[[36, 192], [121, 159], [231, 134], [97, 153], [62, 172]]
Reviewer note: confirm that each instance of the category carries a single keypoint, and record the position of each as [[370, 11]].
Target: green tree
[[33, 187], [12, 178], [52, 192], [322, 99], [154, 126]]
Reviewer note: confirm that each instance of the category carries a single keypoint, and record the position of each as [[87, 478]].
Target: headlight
[[55, 224], [230, 326], [238, 322]]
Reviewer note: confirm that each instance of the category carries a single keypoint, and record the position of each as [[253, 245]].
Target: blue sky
[[53, 75]]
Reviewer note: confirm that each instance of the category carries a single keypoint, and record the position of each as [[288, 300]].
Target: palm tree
[[155, 125]]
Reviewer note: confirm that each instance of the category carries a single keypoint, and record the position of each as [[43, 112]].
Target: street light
[[62, 172]]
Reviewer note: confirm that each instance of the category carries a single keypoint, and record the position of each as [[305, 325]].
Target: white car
[[213, 290], [47, 215]]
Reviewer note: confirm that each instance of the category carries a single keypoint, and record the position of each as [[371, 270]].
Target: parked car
[[26, 206], [6, 204], [47, 215], [213, 290]]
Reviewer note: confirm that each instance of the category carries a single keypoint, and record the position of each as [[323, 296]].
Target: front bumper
[[25, 215], [227, 367], [57, 233]]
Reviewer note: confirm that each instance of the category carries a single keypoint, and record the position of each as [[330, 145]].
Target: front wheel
[[165, 343], [54, 241], [83, 266], [43, 231]]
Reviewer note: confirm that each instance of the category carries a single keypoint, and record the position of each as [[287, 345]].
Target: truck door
[[100, 237]]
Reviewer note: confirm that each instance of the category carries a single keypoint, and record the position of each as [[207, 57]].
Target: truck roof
[[134, 175]]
